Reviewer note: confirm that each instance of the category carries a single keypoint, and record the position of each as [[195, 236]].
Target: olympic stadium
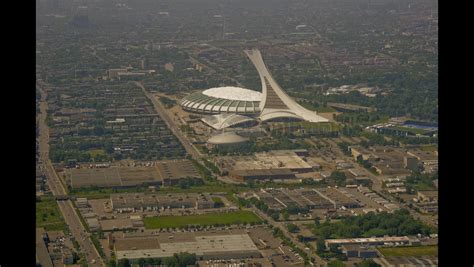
[[234, 106], [222, 100]]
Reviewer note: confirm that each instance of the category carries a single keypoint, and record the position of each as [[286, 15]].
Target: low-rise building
[[410, 163], [338, 198], [358, 251], [206, 246], [172, 171], [93, 224], [81, 202], [131, 202], [262, 174], [358, 151], [427, 207], [373, 241], [428, 195], [274, 165]]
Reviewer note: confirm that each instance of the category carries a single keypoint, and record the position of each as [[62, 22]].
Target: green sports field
[[410, 251], [236, 217]]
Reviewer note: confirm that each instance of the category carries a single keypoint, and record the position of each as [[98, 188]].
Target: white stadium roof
[[224, 120], [233, 93], [272, 104], [222, 100]]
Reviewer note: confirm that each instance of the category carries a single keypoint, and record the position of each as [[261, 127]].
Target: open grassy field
[[423, 187], [429, 148], [49, 216], [235, 217], [410, 251], [412, 130], [319, 126], [95, 152]]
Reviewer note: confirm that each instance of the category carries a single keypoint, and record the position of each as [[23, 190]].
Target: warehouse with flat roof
[[338, 198], [172, 171], [206, 246], [372, 241], [131, 202], [115, 177]]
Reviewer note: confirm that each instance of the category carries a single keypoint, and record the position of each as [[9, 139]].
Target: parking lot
[[273, 249]]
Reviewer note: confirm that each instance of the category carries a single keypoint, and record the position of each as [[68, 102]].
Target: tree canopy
[[398, 223]]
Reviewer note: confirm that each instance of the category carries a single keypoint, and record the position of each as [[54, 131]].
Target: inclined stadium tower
[[234, 105]]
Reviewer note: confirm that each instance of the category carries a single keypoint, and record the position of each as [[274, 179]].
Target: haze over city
[[236, 133]]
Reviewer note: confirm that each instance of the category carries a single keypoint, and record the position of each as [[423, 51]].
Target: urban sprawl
[[237, 133]]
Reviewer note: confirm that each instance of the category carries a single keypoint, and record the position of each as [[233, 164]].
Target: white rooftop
[[368, 240], [233, 93], [224, 120], [201, 245]]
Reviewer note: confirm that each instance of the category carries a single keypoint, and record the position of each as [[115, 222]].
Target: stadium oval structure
[[222, 100], [227, 138], [224, 120]]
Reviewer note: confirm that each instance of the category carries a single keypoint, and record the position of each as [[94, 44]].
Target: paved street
[[171, 125], [57, 188]]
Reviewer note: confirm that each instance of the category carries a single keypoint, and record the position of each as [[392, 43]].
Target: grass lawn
[[323, 126], [235, 217], [412, 130], [49, 216], [410, 251], [429, 148], [95, 152], [423, 187]]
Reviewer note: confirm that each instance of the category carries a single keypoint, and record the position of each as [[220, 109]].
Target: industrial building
[[373, 241], [358, 251], [206, 246], [428, 195], [172, 171], [274, 165], [262, 174], [427, 201], [115, 177], [316, 200], [131, 202], [338, 198], [304, 198]]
